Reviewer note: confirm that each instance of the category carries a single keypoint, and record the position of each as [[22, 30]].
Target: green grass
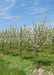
[[14, 65], [6, 70], [46, 62]]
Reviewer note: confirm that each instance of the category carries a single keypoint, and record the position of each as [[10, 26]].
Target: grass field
[[11, 65]]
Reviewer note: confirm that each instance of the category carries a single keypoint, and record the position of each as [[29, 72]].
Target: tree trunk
[[21, 51], [52, 48], [10, 48], [28, 49], [36, 58], [3, 48]]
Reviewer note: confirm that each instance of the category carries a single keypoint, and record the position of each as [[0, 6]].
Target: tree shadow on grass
[[51, 52], [15, 54], [28, 58], [0, 49], [43, 62], [12, 54]]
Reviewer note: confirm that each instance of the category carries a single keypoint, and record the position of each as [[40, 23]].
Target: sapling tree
[[40, 37], [17, 36], [27, 37], [53, 39], [35, 43], [11, 37], [14, 36], [49, 38], [51, 35], [20, 41], [2, 39], [24, 34]]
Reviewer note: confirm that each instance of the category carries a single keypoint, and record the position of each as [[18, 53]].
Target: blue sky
[[20, 12]]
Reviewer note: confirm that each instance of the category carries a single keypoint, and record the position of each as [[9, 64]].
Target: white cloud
[[9, 17], [4, 8], [13, 1], [8, 7], [38, 10], [32, 7], [36, 2], [33, 10]]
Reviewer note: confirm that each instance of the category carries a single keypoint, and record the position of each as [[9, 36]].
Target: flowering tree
[[3, 39], [20, 41], [27, 37], [11, 37], [17, 36], [53, 39], [41, 36]]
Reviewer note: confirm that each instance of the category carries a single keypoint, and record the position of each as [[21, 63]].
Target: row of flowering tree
[[36, 36]]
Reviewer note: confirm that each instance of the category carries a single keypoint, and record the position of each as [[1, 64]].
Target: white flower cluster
[[37, 35]]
